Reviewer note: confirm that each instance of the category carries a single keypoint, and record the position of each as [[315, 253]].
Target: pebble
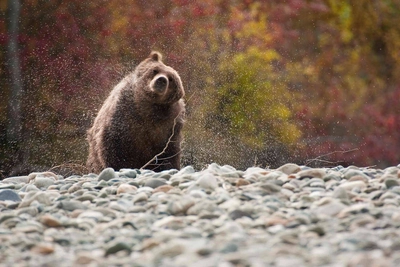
[[289, 168], [207, 182], [220, 216], [186, 170], [95, 215], [34, 196], [353, 185], [119, 246], [236, 214], [7, 194], [163, 188], [241, 182], [140, 197], [16, 180], [43, 248], [270, 187], [180, 207], [341, 193], [130, 173], [155, 182], [42, 182], [329, 207], [50, 221], [350, 172], [35, 175], [126, 188], [107, 174], [391, 183], [202, 207], [71, 205], [311, 173]]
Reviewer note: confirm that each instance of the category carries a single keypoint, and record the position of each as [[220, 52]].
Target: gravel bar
[[219, 216]]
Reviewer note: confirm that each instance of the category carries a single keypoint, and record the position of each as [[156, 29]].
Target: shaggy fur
[[141, 114]]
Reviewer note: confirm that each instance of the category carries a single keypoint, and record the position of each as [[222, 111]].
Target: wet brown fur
[[136, 121]]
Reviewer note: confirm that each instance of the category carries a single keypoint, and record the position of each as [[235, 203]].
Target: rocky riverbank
[[220, 216]]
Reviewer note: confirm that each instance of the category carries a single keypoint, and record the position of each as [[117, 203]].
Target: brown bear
[[139, 124]]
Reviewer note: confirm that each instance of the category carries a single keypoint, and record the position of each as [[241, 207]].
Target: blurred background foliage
[[315, 82]]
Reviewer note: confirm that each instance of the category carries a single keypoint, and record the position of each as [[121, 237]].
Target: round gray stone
[[71, 205], [236, 214], [391, 183], [107, 174], [154, 182], [8, 194]]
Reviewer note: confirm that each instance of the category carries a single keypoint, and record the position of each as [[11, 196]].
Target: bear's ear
[[156, 56]]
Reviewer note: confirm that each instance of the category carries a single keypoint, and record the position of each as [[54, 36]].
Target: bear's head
[[160, 83]]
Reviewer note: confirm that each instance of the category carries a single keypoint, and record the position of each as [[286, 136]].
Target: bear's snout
[[160, 83]]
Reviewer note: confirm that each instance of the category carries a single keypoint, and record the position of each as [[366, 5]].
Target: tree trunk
[[14, 126]]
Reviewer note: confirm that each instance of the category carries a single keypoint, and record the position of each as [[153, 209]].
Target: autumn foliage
[[310, 81]]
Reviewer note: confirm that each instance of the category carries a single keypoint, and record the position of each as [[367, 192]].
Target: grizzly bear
[[139, 124]]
